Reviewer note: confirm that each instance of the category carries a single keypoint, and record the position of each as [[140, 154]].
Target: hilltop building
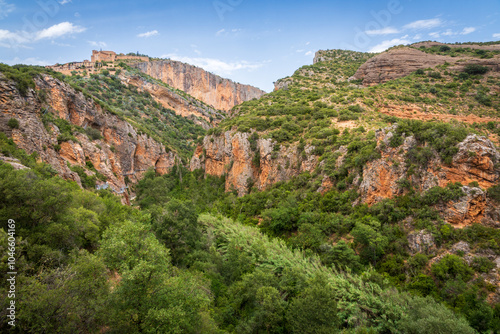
[[110, 56], [99, 60]]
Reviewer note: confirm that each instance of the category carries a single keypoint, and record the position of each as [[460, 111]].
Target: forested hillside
[[331, 205]]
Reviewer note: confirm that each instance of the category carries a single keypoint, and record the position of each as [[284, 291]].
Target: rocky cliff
[[182, 104], [475, 163], [400, 62], [120, 153], [231, 153], [220, 93]]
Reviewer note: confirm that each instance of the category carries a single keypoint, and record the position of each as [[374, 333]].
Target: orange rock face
[[185, 106], [220, 93], [230, 154], [120, 153], [474, 162]]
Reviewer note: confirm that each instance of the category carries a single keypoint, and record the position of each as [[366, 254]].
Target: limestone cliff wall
[[121, 152], [230, 153], [183, 105], [220, 93]]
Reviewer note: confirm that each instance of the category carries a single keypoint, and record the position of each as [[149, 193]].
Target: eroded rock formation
[[400, 62], [220, 93], [475, 161], [230, 153], [120, 153], [182, 104]]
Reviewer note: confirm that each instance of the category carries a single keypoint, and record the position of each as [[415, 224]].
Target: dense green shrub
[[451, 267], [93, 134], [13, 123], [474, 69], [494, 192]]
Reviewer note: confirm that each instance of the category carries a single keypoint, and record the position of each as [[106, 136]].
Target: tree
[[314, 310], [425, 315], [176, 225], [372, 241], [341, 256], [65, 300], [150, 295]]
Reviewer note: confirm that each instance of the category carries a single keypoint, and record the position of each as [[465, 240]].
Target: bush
[[494, 193], [482, 264], [474, 69], [92, 133], [13, 123], [451, 267]]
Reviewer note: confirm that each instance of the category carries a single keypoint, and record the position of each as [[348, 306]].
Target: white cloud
[[217, 66], [148, 34], [13, 37], [435, 34], [27, 61], [6, 9], [387, 44], [383, 31], [63, 2], [309, 53], [417, 37], [424, 24], [231, 32], [59, 30], [496, 35], [468, 30], [449, 32], [98, 44], [19, 39], [195, 49], [62, 44]]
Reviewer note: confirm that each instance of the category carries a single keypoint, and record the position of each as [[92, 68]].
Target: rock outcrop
[[121, 153], [400, 62], [421, 242], [220, 93], [476, 161], [396, 63], [182, 104], [230, 154]]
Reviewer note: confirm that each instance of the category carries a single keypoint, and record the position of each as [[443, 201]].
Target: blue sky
[[250, 41]]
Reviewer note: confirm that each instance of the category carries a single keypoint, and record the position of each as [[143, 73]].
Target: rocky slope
[[475, 163], [120, 154], [400, 62], [182, 104], [231, 153], [220, 93]]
